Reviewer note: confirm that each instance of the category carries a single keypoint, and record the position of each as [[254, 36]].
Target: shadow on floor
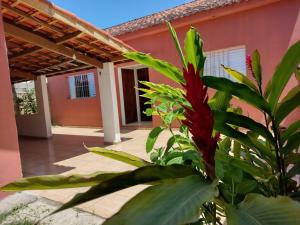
[[38, 155]]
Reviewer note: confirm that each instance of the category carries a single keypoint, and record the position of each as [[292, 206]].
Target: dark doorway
[[143, 75], [129, 96]]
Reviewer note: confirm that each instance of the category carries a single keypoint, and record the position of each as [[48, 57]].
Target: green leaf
[[143, 175], [152, 138], [242, 121], [163, 67], [193, 49], [239, 90], [268, 89], [288, 104], [220, 100], [293, 143], [295, 170], [259, 210], [177, 44], [244, 139], [240, 77], [241, 164], [58, 181], [246, 186], [119, 156], [290, 130], [284, 71], [176, 202], [256, 66]]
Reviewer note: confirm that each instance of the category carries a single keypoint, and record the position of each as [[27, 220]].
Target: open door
[[143, 75], [129, 96]]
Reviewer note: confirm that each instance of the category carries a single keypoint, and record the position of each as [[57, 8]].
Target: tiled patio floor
[[64, 153]]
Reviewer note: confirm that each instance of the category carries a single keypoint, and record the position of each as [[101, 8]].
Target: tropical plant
[[26, 102], [221, 165]]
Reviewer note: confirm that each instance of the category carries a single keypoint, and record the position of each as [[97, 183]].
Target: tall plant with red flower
[[199, 117]]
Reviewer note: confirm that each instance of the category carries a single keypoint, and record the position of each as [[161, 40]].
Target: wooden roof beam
[[22, 74], [66, 70], [30, 17], [50, 10], [25, 52], [68, 37], [42, 42], [53, 66]]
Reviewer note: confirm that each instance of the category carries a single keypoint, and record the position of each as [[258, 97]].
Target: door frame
[[134, 67]]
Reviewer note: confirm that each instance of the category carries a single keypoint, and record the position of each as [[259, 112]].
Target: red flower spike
[[199, 119], [249, 64]]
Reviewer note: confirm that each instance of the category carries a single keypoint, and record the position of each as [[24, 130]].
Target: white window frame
[[225, 60], [91, 88]]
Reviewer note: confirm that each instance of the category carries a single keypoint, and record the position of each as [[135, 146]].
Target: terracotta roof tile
[[168, 15]]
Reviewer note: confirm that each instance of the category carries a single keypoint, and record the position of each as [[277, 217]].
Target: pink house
[[230, 29], [89, 83]]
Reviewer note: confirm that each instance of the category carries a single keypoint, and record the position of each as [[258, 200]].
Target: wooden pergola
[[43, 39]]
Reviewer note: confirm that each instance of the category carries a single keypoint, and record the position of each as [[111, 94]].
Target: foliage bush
[[26, 102], [221, 166]]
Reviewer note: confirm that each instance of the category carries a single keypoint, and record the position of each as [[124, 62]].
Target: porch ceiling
[[43, 39]]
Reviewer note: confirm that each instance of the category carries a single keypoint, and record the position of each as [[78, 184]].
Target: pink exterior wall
[[270, 26], [72, 112], [10, 164]]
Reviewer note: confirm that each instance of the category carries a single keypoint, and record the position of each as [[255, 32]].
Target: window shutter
[[237, 60], [234, 58], [92, 89], [72, 87]]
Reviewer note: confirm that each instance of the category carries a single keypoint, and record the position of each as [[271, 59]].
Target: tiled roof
[[168, 15]]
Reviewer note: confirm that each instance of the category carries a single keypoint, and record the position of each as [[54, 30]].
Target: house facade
[[230, 29]]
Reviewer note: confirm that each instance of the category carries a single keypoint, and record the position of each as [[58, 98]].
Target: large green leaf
[[240, 77], [284, 71], [152, 137], [259, 210], [290, 102], [193, 49], [120, 156], [143, 175], [220, 100], [242, 121], [239, 90], [293, 143], [241, 164], [177, 44], [244, 139], [255, 64], [290, 130], [176, 202], [59, 181], [163, 67]]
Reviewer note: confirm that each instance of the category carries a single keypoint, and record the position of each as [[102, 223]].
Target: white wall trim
[[121, 96]]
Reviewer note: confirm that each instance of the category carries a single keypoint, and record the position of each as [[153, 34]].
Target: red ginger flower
[[199, 119], [249, 64]]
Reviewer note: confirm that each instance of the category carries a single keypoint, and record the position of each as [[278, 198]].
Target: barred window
[[82, 86], [234, 58]]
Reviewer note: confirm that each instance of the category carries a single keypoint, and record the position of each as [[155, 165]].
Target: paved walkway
[[25, 209], [65, 152]]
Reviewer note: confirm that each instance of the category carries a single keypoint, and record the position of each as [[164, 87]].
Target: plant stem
[[278, 157]]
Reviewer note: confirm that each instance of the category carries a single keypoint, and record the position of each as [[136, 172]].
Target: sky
[[107, 13]]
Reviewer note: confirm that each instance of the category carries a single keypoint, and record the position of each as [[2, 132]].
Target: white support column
[[109, 107], [43, 106]]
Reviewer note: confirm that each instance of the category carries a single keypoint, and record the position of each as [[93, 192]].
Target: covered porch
[[43, 40]]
